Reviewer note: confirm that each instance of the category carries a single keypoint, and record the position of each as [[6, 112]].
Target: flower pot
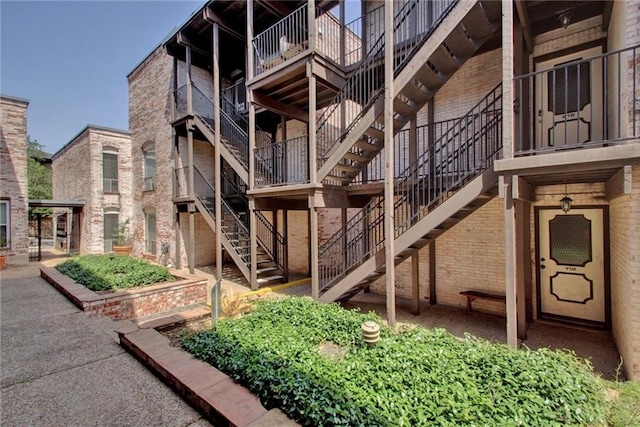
[[3, 260], [122, 250]]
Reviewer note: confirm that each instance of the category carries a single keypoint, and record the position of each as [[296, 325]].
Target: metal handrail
[[271, 240], [465, 149], [412, 25], [236, 95], [559, 108], [283, 162], [374, 22]]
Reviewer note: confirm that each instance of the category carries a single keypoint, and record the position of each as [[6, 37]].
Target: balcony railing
[[584, 103], [285, 39], [361, 33], [284, 162]]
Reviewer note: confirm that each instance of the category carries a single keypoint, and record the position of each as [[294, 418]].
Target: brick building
[[94, 167], [309, 145], [14, 201]]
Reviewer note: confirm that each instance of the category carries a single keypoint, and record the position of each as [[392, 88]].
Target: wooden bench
[[471, 295]]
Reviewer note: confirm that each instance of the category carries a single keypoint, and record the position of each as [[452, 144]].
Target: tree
[[39, 176]]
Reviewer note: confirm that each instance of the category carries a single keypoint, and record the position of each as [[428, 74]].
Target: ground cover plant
[[308, 359], [111, 273]]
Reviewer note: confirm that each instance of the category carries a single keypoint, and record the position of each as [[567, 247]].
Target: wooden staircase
[[455, 38]]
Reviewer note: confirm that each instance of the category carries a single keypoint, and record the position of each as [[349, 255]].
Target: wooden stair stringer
[[224, 151]]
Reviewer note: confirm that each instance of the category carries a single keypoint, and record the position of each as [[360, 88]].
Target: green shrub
[[103, 273], [412, 378]]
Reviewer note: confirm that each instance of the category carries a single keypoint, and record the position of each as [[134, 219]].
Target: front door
[[572, 265], [569, 100]]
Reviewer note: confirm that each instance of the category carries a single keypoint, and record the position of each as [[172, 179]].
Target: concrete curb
[[204, 387]]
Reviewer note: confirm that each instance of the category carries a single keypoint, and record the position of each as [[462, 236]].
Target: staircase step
[[356, 157], [414, 93], [443, 61], [347, 168], [403, 108], [476, 23], [269, 279], [374, 133], [266, 269], [459, 43], [343, 179], [364, 145], [429, 78]]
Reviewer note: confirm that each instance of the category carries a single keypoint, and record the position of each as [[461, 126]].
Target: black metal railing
[[231, 135], [284, 162], [413, 23], [236, 97], [466, 148], [584, 103], [271, 241], [360, 32]]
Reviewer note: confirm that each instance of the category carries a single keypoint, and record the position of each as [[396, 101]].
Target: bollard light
[[370, 333]]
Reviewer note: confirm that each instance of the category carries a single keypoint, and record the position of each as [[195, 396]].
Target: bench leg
[[469, 299]]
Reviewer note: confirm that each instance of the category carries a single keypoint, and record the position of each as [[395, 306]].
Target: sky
[[70, 59]]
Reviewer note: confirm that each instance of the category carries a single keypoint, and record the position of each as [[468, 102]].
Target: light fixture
[[565, 202], [565, 19]]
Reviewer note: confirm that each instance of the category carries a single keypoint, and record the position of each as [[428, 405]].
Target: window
[[5, 228], [111, 220], [110, 172], [150, 232], [149, 166]]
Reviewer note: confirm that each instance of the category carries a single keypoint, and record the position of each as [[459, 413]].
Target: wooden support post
[[175, 88], [311, 10], [313, 247], [433, 299], [192, 237], [191, 177], [389, 228], [522, 258], [313, 164], [415, 283], [188, 82], [274, 236], [253, 242], [284, 168], [507, 79], [510, 262], [343, 224], [218, 146], [250, 63], [285, 233], [178, 239]]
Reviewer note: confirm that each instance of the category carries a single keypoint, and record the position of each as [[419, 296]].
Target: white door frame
[[607, 287]]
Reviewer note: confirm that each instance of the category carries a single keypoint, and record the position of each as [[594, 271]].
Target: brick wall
[[624, 228], [13, 175], [77, 174]]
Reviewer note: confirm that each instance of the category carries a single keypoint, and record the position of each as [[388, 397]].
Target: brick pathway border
[[204, 387]]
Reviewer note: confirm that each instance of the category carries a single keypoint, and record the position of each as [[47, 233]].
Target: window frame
[[109, 188], [7, 224], [149, 179], [150, 246]]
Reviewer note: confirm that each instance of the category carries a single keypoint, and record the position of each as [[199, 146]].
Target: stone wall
[[13, 175]]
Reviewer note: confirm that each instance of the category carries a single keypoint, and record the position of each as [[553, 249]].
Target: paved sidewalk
[[62, 368]]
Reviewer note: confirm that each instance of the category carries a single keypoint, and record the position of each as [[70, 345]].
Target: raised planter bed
[[131, 303]]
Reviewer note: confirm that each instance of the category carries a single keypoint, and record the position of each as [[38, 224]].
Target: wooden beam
[[268, 204], [314, 243], [276, 8], [312, 124], [511, 279], [433, 298], [523, 17], [522, 190], [184, 41], [415, 283], [212, 17], [606, 14], [619, 184], [279, 107], [218, 144]]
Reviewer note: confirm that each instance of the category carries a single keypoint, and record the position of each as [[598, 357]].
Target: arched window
[[109, 169], [149, 166]]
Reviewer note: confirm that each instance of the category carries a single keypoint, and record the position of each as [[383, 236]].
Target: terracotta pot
[[122, 250], [3, 260]]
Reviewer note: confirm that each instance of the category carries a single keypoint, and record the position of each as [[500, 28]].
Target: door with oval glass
[[572, 282]]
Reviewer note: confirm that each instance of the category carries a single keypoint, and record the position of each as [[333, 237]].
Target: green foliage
[[38, 176], [412, 378], [103, 273], [623, 409]]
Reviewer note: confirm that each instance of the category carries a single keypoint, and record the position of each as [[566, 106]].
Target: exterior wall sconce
[[565, 202], [565, 19]]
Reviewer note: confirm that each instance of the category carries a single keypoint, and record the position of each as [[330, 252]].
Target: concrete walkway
[[60, 367]]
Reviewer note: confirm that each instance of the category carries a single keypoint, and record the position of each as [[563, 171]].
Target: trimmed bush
[[103, 273], [412, 378]]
